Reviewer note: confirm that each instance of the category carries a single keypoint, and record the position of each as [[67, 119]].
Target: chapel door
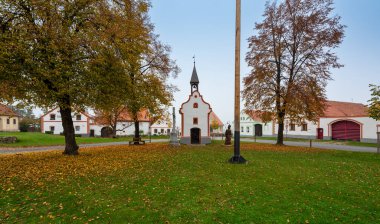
[[195, 135]]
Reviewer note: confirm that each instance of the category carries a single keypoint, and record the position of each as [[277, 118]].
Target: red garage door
[[346, 130]]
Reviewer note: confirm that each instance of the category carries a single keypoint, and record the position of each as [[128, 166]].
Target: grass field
[[26, 139], [158, 184]]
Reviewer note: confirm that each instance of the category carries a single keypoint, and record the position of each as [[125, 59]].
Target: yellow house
[[9, 120]]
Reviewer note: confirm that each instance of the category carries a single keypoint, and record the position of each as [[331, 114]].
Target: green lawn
[[351, 143], [158, 184], [26, 139]]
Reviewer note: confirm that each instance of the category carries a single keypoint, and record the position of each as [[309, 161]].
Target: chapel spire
[[194, 80]]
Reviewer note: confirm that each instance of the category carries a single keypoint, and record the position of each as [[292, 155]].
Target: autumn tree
[[149, 74], [49, 51], [45, 55], [291, 56], [214, 124], [134, 63], [374, 106]]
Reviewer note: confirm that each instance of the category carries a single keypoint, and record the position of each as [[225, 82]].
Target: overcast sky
[[205, 28]]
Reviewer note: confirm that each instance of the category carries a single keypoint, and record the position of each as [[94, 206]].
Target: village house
[[9, 120], [252, 125], [125, 124], [51, 122], [161, 127], [195, 116], [340, 121]]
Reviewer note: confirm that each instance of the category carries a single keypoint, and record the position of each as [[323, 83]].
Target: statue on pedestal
[[228, 136]]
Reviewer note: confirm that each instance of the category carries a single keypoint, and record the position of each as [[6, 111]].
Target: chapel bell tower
[[194, 82]]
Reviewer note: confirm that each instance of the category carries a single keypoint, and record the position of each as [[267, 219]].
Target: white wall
[[46, 123], [311, 129], [202, 113], [129, 128], [247, 121], [159, 126]]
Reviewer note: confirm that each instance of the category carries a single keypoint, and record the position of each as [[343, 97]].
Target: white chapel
[[195, 116]]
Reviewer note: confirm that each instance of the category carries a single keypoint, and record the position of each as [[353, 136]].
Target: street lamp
[[237, 158]]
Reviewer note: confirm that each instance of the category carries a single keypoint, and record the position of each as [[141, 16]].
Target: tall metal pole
[[237, 158]]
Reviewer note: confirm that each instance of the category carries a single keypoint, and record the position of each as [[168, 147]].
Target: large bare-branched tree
[[291, 56]]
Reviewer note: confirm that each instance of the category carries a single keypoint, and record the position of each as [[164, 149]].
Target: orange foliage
[[37, 168]]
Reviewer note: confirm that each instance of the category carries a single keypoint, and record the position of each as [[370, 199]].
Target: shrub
[[49, 132]]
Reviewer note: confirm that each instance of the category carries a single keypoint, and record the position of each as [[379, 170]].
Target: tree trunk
[[280, 132], [71, 147], [137, 130], [113, 131], [280, 135]]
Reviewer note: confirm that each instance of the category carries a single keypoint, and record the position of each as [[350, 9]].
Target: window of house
[[195, 120], [292, 127], [52, 117], [247, 129], [52, 128], [8, 121], [79, 117], [162, 131], [195, 105], [242, 129], [155, 131], [77, 128], [304, 127], [168, 131], [14, 121]]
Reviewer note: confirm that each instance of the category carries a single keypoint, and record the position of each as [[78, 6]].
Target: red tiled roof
[[254, 114], [6, 111], [125, 117], [213, 116], [345, 109]]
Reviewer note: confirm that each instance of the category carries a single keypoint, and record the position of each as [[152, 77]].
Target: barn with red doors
[[347, 121], [345, 130]]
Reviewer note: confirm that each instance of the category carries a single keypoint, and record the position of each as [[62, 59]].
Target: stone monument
[[228, 136], [173, 134]]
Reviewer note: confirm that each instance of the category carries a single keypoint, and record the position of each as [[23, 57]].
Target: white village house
[[161, 127], [125, 124], [52, 122], [195, 116], [87, 125], [340, 121], [252, 125]]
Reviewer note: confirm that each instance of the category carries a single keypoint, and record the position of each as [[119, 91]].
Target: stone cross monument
[[173, 134]]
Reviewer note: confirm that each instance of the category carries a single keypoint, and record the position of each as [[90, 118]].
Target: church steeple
[[194, 80]]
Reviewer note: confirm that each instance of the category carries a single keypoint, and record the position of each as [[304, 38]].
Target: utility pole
[[237, 158]]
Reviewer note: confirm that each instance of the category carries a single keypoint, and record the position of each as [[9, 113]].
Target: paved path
[[320, 145], [61, 147]]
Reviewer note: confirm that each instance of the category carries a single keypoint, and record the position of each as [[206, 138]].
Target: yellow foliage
[[38, 168]]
